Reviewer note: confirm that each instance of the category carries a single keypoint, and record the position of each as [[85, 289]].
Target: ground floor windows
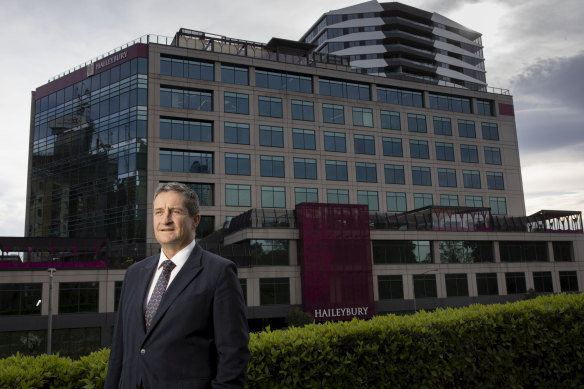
[[274, 291], [269, 252], [523, 251], [542, 282], [487, 284], [515, 282], [456, 285], [466, 251], [20, 299], [76, 297], [401, 251], [568, 281], [425, 286], [390, 287]]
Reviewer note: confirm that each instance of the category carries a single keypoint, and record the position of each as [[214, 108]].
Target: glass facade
[[88, 170]]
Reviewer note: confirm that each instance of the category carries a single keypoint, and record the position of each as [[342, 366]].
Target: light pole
[[51, 271]]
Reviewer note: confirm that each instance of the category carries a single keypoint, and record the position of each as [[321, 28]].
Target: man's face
[[174, 228]]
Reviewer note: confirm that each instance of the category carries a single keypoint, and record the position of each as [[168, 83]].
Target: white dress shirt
[[179, 260]]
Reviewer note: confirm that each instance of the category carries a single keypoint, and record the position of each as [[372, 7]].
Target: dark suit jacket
[[198, 337]]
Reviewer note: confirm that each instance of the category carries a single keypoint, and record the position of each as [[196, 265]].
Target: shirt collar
[[180, 258]]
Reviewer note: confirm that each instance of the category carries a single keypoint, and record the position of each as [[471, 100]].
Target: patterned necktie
[[158, 292]]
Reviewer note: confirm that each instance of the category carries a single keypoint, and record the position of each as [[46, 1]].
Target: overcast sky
[[533, 48]]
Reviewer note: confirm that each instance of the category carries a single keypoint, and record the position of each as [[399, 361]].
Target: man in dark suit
[[181, 317]]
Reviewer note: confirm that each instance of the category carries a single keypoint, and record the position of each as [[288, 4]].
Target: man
[[181, 317]]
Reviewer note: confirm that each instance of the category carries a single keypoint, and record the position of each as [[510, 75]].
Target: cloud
[[552, 82]]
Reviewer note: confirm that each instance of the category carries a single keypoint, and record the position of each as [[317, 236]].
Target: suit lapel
[[189, 271]]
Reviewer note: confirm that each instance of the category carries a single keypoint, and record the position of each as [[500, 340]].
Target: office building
[[345, 193]]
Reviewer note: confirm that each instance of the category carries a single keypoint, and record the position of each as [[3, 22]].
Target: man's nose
[[167, 217]]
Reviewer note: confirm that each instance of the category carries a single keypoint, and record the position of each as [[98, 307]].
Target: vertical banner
[[335, 252]]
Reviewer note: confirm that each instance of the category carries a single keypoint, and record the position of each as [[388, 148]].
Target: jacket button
[[143, 352]]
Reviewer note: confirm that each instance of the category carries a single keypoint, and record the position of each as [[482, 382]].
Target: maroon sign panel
[[335, 252]]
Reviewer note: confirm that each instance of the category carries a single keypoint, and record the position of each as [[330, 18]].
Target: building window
[[237, 195], [484, 107], [237, 133], [524, 251], [273, 197], [399, 96], [498, 205], [396, 202], [416, 123], [205, 192], [337, 196], [392, 147], [303, 139], [191, 130], [447, 178], [471, 179], [303, 110], [206, 226], [495, 181], [345, 89], [271, 136], [394, 174], [422, 200], [425, 286], [450, 103], [78, 297], [466, 251], [401, 251], [456, 285], [305, 168], [487, 284], [419, 149], [469, 153], [473, 201], [421, 176], [332, 113], [336, 170], [283, 81], [390, 287], [305, 195], [334, 141], [237, 164], [493, 155], [362, 117], [364, 144], [270, 106], [490, 131], [449, 200], [76, 342], [234, 75], [20, 299], [236, 103], [185, 161], [515, 282], [269, 252], [177, 67], [442, 126], [466, 128], [568, 281], [444, 151], [186, 99], [563, 251], [274, 291], [390, 120], [369, 198], [271, 166], [542, 282]]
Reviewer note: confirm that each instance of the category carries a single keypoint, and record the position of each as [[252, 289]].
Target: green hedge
[[528, 344]]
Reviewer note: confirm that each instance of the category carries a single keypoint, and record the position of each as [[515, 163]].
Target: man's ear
[[196, 220]]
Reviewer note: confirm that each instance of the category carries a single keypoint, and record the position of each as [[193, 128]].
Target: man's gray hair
[[190, 196]]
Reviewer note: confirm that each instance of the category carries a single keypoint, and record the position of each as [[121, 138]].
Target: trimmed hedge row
[[532, 343]]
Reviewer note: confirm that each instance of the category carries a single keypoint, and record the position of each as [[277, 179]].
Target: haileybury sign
[[107, 61], [335, 247]]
